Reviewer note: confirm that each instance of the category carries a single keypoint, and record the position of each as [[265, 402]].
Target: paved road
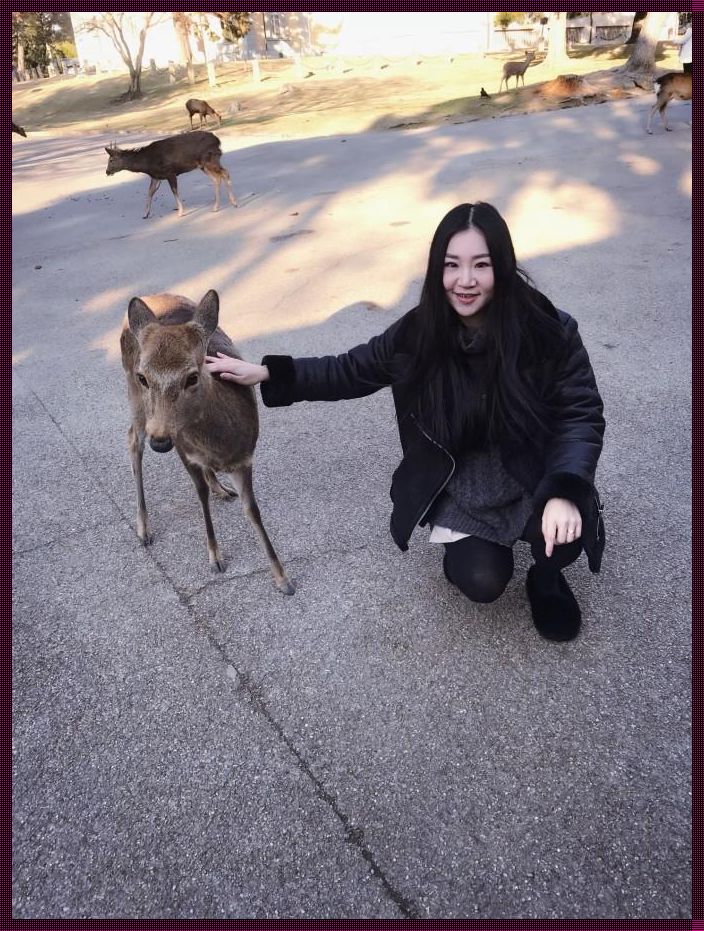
[[191, 746]]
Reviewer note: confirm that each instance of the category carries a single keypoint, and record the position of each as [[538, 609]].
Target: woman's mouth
[[466, 299]]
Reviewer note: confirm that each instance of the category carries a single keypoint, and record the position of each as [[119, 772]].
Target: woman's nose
[[467, 276]]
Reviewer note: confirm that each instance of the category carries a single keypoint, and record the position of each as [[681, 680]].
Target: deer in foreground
[[516, 69], [18, 129], [671, 86], [203, 109], [167, 158], [176, 403]]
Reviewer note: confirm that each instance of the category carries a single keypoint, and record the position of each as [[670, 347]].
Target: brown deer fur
[[516, 69], [671, 86], [203, 109], [167, 158], [176, 402]]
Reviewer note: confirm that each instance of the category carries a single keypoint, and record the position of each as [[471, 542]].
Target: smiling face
[[468, 276]]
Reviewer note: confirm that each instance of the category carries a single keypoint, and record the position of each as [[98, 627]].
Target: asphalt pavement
[[190, 745]]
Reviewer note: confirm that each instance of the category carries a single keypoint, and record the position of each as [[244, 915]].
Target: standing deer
[[176, 402], [671, 86], [175, 155], [203, 109], [516, 69]]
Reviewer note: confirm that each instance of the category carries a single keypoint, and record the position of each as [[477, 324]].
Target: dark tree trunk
[[636, 28]]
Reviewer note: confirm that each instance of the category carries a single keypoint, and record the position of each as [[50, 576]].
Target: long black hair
[[506, 397]]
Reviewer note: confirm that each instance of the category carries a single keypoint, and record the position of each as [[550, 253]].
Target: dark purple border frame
[[6, 920]]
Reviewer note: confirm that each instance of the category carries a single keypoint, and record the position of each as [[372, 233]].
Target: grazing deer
[[175, 155], [516, 69], [18, 129], [671, 86], [176, 402], [203, 109]]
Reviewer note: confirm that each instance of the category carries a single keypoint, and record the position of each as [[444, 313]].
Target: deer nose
[[161, 444]]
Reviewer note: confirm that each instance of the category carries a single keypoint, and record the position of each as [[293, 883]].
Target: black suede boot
[[555, 611]]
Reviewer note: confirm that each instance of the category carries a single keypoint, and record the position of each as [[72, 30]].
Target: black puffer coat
[[564, 468]]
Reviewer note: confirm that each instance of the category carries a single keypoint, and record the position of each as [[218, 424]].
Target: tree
[[503, 20], [35, 39], [642, 59], [636, 28], [234, 25], [557, 41], [120, 29]]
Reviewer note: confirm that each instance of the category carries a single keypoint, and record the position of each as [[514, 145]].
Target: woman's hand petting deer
[[244, 373], [500, 418]]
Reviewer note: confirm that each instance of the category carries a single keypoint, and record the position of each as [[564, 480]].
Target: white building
[[348, 34]]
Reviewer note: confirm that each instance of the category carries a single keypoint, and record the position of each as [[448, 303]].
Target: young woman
[[498, 412]]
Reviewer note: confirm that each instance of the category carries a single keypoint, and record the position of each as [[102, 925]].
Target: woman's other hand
[[562, 523], [229, 369]]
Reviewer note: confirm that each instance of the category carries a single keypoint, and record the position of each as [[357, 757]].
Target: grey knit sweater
[[481, 498]]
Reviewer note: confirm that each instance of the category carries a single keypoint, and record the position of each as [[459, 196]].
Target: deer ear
[[139, 315], [207, 311], [108, 150]]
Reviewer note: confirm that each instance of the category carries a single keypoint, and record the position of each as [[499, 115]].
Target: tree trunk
[[557, 42], [636, 28], [642, 60], [135, 85], [21, 67]]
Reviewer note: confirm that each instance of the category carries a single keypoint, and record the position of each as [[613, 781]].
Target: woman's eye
[[142, 380], [192, 380]]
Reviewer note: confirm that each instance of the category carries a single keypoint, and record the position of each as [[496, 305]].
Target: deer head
[[116, 160], [168, 369]]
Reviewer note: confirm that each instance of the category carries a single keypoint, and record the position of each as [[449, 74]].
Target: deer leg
[[663, 116], [242, 478], [153, 185], [218, 488], [174, 188], [135, 441], [225, 174], [212, 173], [201, 483]]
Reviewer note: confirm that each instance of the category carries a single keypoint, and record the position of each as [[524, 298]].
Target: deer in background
[[175, 402], [203, 109], [671, 86], [516, 69], [167, 158]]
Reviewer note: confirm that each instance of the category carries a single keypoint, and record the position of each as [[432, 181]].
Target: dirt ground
[[324, 96]]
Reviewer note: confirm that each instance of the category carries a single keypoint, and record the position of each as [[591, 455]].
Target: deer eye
[[192, 380], [142, 380]]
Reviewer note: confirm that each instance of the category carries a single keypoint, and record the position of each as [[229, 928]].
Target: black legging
[[482, 570], [687, 67]]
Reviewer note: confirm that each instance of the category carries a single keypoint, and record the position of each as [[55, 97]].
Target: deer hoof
[[146, 539], [217, 563], [286, 587]]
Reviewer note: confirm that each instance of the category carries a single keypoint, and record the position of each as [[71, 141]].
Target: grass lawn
[[322, 97]]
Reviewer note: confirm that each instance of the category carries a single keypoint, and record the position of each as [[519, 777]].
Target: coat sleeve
[[361, 371], [574, 449]]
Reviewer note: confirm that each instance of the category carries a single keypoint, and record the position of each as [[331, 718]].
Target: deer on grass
[[203, 109], [176, 403], [671, 86], [167, 158], [516, 69]]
